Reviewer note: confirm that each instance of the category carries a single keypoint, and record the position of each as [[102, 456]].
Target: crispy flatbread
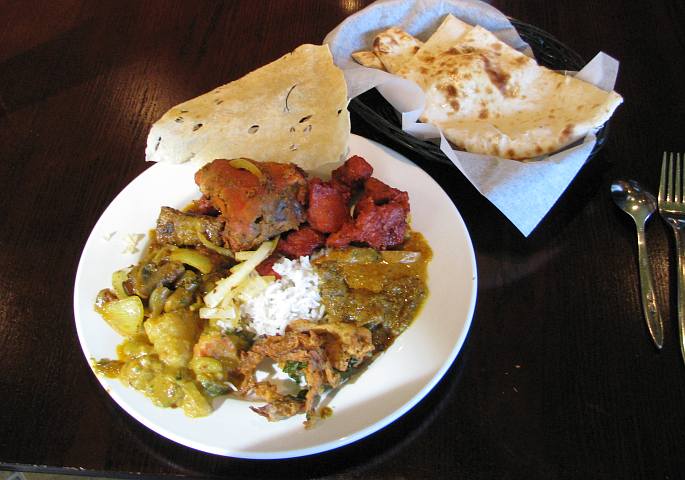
[[291, 110]]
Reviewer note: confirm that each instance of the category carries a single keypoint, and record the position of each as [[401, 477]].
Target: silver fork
[[672, 210]]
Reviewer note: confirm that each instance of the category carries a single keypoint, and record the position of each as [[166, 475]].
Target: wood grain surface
[[557, 378]]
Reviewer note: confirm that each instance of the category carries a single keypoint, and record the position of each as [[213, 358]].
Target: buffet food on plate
[[273, 285], [487, 97]]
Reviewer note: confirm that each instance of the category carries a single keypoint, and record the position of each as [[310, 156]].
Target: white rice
[[295, 296]]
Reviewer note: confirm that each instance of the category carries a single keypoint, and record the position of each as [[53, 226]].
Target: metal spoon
[[640, 204]]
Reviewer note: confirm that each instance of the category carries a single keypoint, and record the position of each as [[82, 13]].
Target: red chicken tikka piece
[[380, 226], [353, 173], [329, 202], [301, 243], [328, 206], [298, 243], [380, 218]]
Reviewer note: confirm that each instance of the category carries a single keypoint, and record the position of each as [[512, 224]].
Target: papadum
[[293, 109]]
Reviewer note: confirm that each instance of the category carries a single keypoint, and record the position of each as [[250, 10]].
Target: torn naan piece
[[293, 109], [398, 47], [368, 59], [450, 30], [395, 47]]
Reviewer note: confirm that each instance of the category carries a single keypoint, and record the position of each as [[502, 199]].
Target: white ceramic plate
[[392, 385]]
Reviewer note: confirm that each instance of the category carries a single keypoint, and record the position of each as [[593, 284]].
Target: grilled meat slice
[[255, 208], [181, 229]]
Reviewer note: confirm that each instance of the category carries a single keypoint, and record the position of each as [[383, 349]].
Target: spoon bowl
[[633, 199]]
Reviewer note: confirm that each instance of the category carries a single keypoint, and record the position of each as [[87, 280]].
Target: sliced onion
[[245, 164], [124, 316], [193, 258], [226, 252], [118, 279]]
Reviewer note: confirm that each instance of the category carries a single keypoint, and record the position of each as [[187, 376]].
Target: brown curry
[[380, 290]]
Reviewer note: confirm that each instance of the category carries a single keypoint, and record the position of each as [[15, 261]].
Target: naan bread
[[450, 30], [291, 110], [368, 59], [490, 99], [395, 47]]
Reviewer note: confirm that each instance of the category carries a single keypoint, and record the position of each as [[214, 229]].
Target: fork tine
[[681, 183], [678, 180], [669, 182], [662, 181]]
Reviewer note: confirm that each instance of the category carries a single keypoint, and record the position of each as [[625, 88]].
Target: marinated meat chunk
[[300, 243], [327, 206], [181, 229], [255, 207], [380, 218], [349, 178], [266, 267], [353, 172], [381, 193], [380, 226]]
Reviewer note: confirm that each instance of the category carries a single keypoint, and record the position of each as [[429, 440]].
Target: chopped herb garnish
[[294, 370]]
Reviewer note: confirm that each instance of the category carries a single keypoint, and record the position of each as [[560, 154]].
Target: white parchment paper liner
[[523, 191]]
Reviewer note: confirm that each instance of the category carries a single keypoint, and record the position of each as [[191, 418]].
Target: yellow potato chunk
[[173, 335]]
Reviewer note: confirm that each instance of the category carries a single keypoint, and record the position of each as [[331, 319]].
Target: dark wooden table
[[557, 378]]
